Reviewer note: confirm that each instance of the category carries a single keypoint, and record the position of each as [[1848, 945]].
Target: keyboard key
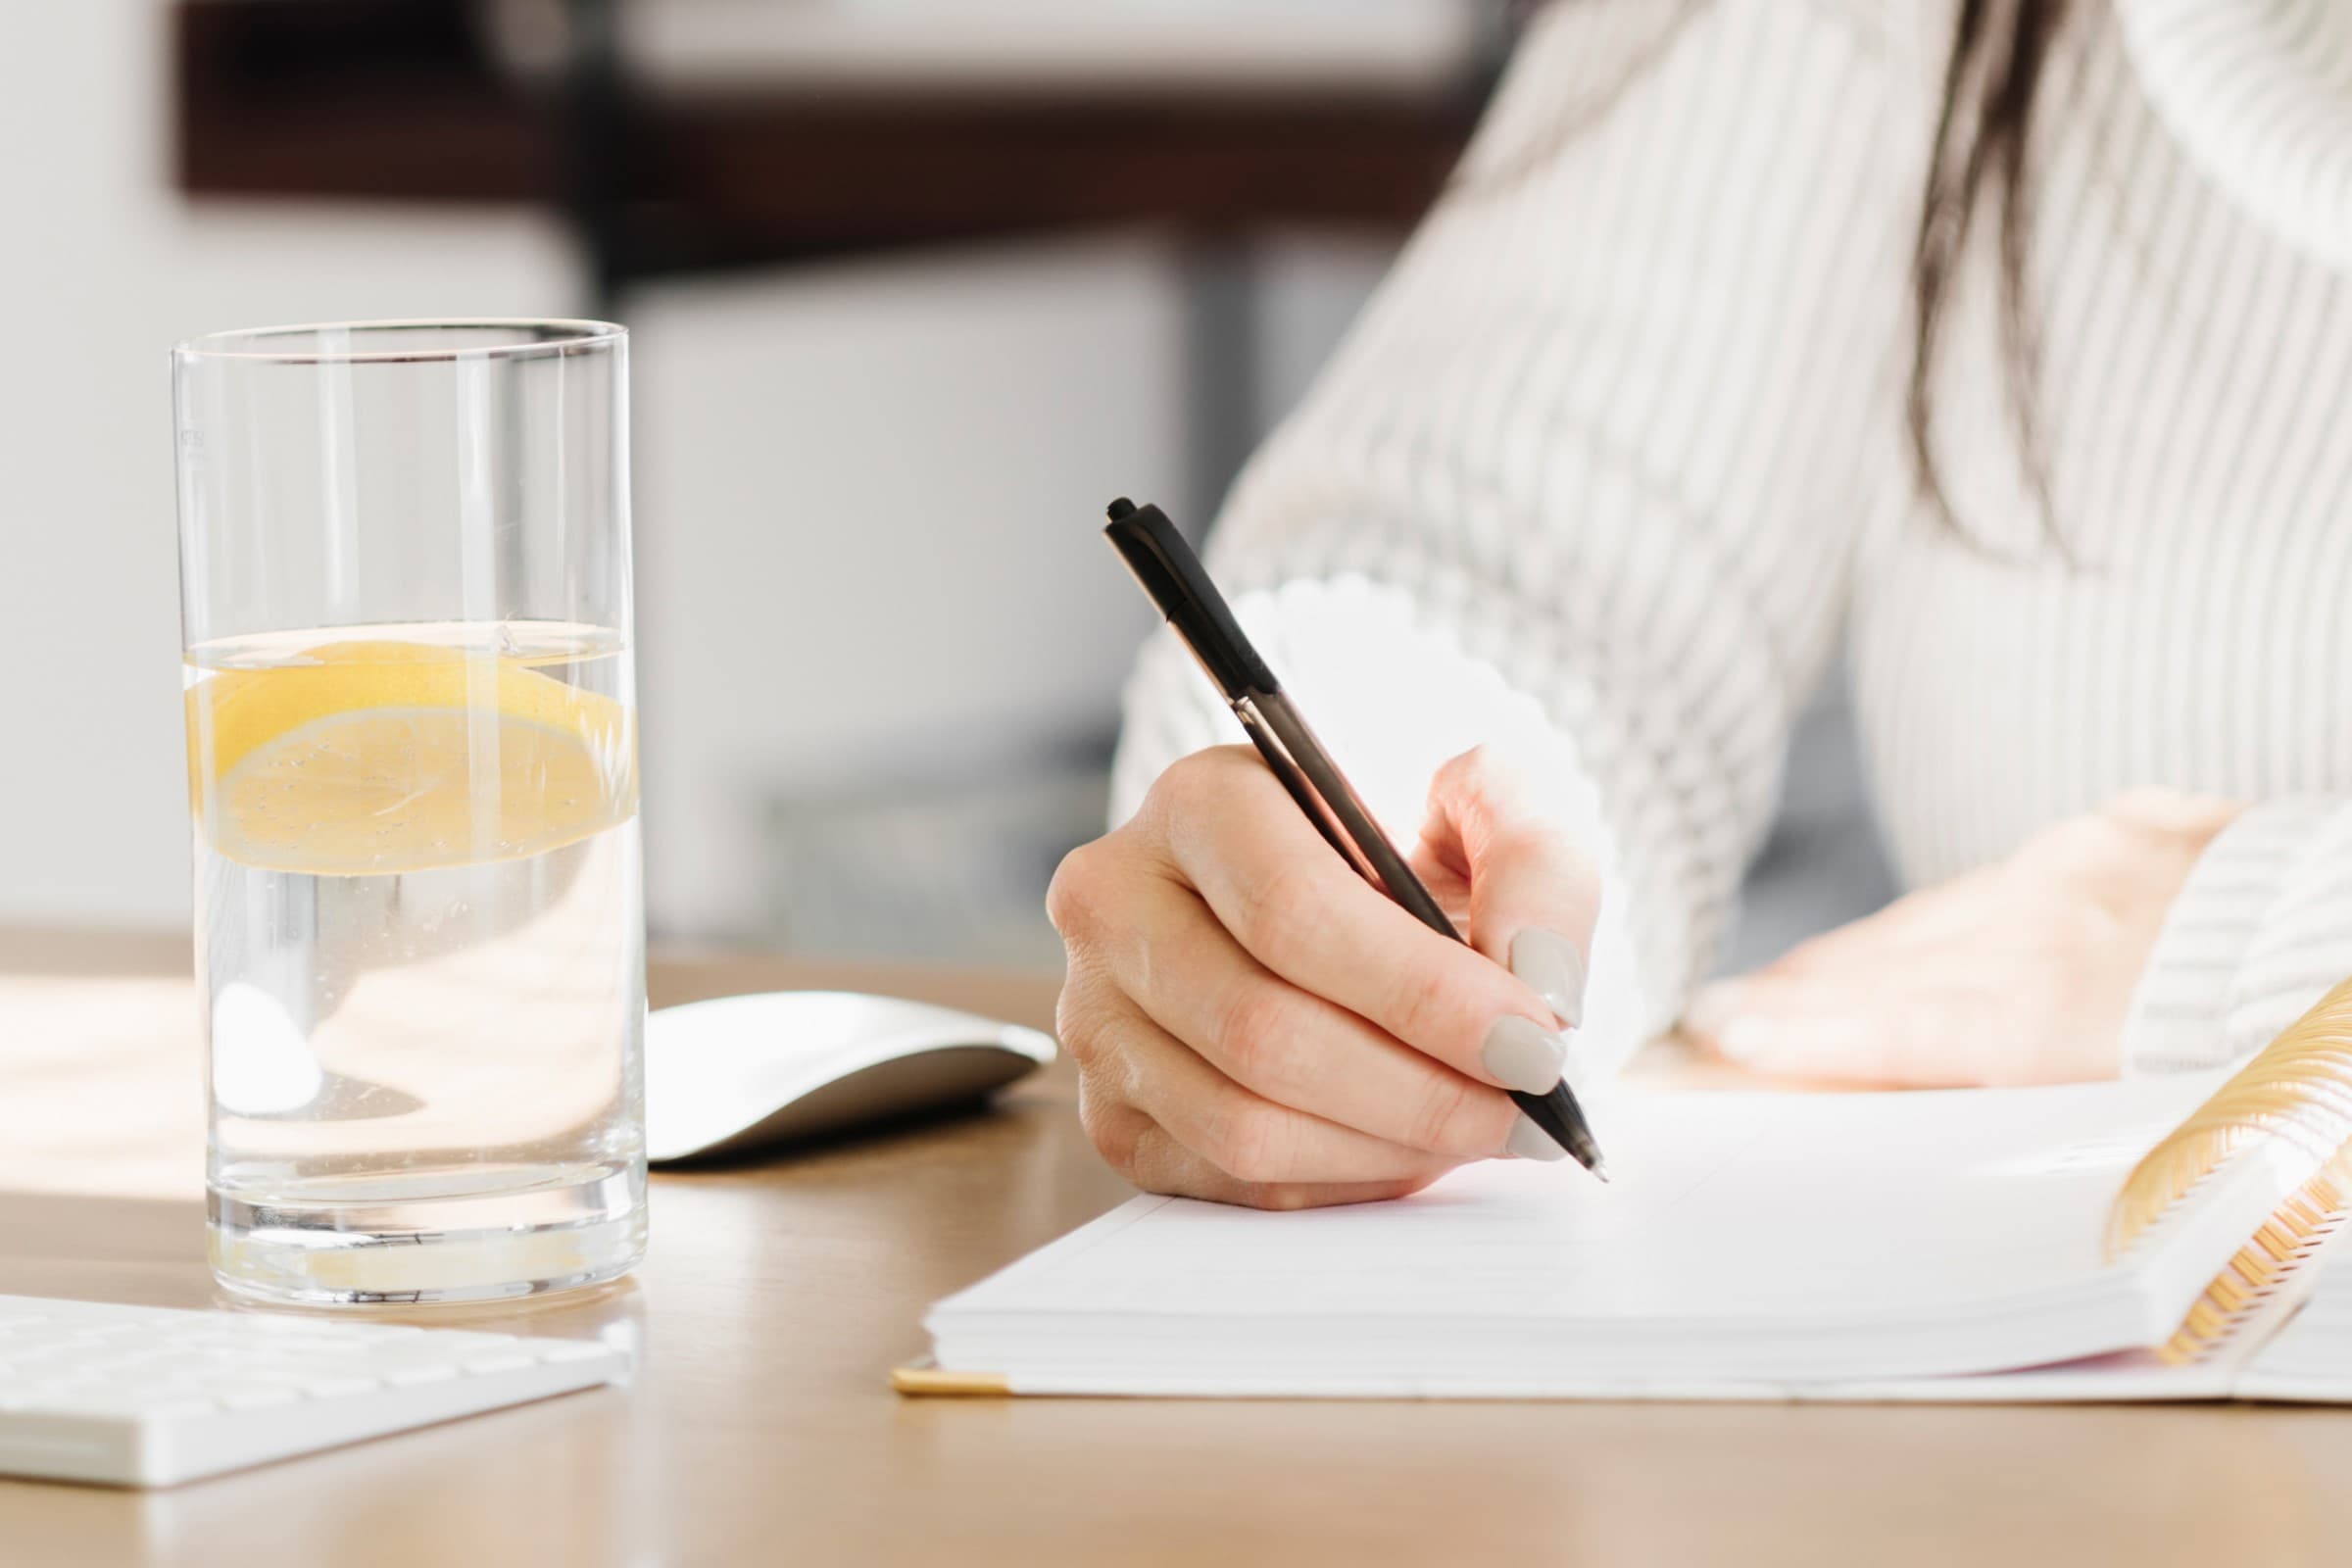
[[263, 1379], [256, 1399], [114, 1400], [332, 1388], [419, 1374], [377, 1333], [467, 1339]]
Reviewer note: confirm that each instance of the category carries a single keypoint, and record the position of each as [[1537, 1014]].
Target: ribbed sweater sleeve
[[2262, 929], [1587, 479]]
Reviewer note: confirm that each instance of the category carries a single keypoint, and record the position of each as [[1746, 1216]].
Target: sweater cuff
[[2179, 1019], [1394, 698]]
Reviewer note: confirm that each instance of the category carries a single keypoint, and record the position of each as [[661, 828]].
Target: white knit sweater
[[1615, 463]]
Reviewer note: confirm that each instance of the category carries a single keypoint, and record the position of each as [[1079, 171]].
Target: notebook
[[2151, 1239]]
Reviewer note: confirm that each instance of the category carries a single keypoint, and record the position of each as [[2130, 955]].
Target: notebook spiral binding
[[2297, 1088]]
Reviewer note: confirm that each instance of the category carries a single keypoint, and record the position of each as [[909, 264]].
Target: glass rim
[[558, 335]]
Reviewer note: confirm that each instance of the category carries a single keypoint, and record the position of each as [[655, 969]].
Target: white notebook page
[[1727, 1214]]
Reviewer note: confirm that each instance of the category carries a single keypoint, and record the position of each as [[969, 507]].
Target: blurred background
[[914, 286]]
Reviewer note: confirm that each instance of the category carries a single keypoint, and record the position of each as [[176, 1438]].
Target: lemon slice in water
[[376, 758]]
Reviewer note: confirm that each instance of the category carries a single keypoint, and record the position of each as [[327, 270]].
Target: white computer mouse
[[738, 1074]]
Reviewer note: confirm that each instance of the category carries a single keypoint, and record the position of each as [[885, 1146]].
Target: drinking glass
[[413, 772]]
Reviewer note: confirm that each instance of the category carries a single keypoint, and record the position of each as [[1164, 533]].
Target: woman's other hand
[[2021, 972], [1253, 1024]]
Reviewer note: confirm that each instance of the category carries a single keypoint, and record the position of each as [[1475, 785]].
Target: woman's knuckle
[[1456, 1116], [1087, 1012], [1249, 1143], [1073, 898], [1258, 1036], [1189, 783], [1172, 782], [1275, 907], [1111, 1125], [1422, 999], [1073, 1021]]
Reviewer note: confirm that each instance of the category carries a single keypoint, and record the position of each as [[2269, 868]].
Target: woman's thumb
[[1533, 896]]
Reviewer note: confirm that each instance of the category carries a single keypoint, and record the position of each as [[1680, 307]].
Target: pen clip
[[1285, 767], [1358, 836]]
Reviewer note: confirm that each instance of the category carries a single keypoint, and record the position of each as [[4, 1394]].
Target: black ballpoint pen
[[1174, 578]]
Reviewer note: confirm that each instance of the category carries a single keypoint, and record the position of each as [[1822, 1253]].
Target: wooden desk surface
[[776, 1299]]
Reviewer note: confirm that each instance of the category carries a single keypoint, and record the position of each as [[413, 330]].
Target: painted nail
[[1530, 1141], [1554, 969], [1522, 1055]]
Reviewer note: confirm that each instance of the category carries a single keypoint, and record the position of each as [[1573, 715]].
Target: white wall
[[101, 267], [869, 497], [869, 504], [866, 494]]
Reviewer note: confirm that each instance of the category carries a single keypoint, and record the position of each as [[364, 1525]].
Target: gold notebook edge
[[2296, 1089], [928, 1380], [2280, 1252]]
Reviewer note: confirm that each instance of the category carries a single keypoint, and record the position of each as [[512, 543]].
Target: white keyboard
[[144, 1396]]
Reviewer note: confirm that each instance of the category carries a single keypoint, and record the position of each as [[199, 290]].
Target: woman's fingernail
[[1712, 1010], [1522, 1055], [1530, 1141], [1718, 1015], [1551, 966], [1747, 1039]]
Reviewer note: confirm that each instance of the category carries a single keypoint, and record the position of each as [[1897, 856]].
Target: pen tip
[[1600, 1170]]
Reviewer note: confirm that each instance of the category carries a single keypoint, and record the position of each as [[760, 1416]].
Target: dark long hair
[[2001, 50], [1983, 131]]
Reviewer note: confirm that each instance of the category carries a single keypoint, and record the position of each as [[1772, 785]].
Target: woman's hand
[[2019, 973], [1254, 1023]]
